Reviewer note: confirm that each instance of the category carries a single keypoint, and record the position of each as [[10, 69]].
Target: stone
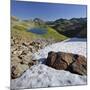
[[15, 60], [59, 60], [67, 61], [26, 58], [67, 57], [21, 54], [18, 70], [79, 66], [51, 58]]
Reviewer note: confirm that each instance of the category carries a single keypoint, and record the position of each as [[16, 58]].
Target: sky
[[46, 11]]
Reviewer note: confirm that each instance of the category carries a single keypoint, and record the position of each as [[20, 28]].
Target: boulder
[[79, 66], [18, 70], [67, 61], [15, 60], [25, 57], [59, 60]]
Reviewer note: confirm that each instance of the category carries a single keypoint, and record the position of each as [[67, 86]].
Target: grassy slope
[[19, 30], [54, 35]]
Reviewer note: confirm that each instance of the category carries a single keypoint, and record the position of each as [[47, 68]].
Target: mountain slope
[[71, 27], [20, 27]]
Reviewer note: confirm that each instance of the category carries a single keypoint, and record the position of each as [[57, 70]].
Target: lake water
[[38, 30]]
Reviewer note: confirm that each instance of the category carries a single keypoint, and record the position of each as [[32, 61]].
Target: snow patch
[[73, 45], [43, 76]]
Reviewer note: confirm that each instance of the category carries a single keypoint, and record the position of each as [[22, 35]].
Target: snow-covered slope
[[73, 45], [44, 76]]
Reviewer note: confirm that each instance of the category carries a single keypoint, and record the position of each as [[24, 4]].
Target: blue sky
[[46, 11]]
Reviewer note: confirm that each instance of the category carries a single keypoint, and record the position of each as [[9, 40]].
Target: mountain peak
[[38, 20]]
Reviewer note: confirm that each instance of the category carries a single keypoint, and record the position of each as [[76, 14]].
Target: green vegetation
[[58, 30], [53, 34], [71, 27], [19, 29]]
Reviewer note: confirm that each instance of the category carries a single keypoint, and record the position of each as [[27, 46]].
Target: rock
[[59, 60], [17, 70], [25, 44], [67, 57], [67, 61], [21, 57], [15, 60], [26, 58], [21, 54], [79, 66], [51, 58], [36, 45], [17, 52], [33, 62], [12, 42], [30, 48]]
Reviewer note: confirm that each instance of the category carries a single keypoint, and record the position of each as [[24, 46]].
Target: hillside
[[20, 30], [57, 30], [71, 28]]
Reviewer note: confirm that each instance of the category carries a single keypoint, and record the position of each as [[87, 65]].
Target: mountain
[[57, 30], [70, 28], [20, 30], [39, 21]]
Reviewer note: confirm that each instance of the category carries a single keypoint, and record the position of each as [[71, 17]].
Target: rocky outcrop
[[21, 55], [18, 69], [67, 61]]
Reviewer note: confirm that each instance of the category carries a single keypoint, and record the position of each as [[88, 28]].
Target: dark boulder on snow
[[67, 61]]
